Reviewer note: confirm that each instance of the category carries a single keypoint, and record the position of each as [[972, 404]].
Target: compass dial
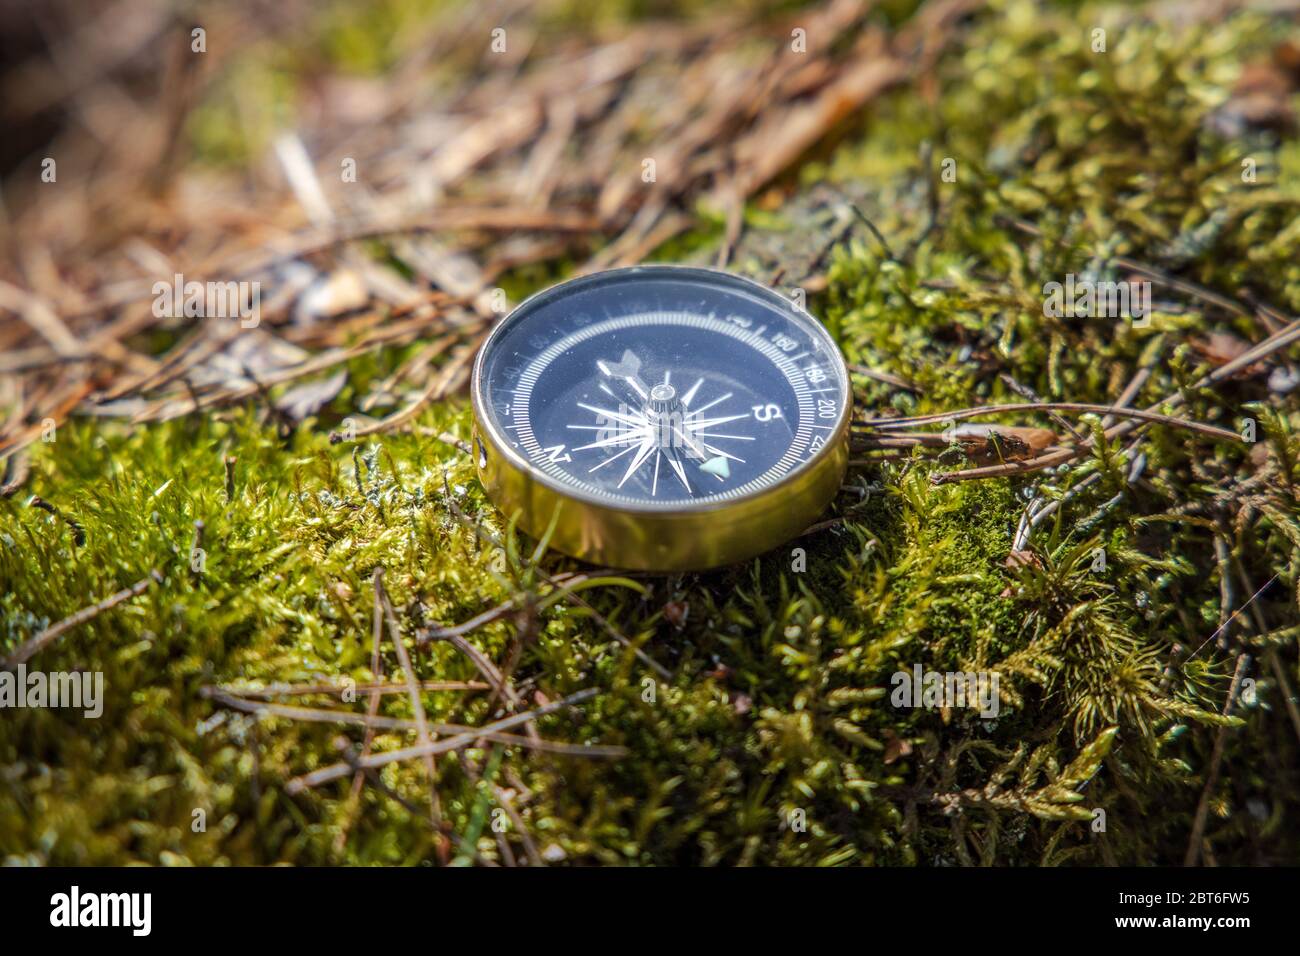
[[660, 390]]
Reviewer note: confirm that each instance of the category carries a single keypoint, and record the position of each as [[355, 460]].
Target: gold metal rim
[[665, 540]]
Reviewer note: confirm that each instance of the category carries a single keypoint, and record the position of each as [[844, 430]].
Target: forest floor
[[263, 537]]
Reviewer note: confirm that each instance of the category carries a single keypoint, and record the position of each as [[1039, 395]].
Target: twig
[[1233, 617], [446, 745], [372, 711], [1270, 653], [412, 686], [230, 461], [1272, 344], [884, 245], [1024, 391], [25, 651], [1130, 392], [600, 619], [500, 683], [448, 378], [350, 758], [318, 715], [886, 378], [530, 846], [885, 424], [17, 470], [429, 635], [447, 438], [337, 690], [1216, 757], [1133, 265]]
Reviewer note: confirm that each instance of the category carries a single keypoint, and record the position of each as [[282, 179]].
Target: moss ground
[[777, 699]]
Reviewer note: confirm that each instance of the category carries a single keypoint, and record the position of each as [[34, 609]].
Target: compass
[[661, 417]]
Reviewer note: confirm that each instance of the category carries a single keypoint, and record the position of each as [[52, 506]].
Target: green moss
[[776, 709]]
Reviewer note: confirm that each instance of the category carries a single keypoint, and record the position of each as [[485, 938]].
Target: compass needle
[[642, 454], [721, 454], [652, 371], [612, 458], [617, 416], [703, 408], [710, 422], [630, 438], [694, 447], [690, 393], [680, 472]]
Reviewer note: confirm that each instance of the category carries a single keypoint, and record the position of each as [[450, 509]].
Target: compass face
[[661, 388]]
